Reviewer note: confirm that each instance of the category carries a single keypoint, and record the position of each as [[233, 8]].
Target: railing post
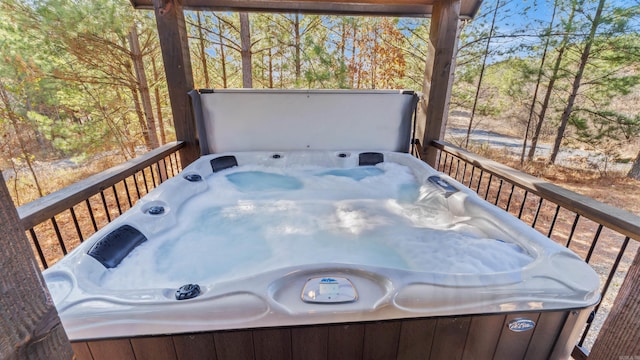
[[438, 75], [177, 65], [618, 338], [31, 328]]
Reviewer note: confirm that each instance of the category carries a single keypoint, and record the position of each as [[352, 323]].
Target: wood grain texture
[[544, 335], [272, 344], [620, 334], [310, 342], [154, 348], [443, 40], [29, 324], [111, 349], [460, 337], [177, 66], [513, 345], [483, 336], [381, 340], [416, 339], [450, 337], [81, 351], [234, 345], [346, 341], [195, 346]]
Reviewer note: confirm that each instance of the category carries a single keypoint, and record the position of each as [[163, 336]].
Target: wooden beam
[[438, 79], [413, 8], [177, 65], [618, 338]]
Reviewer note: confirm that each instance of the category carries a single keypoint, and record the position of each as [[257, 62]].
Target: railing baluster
[[594, 243], [126, 189], [135, 181], [75, 223], [553, 222], [115, 195], [524, 200], [173, 167], [513, 186], [479, 181], [457, 168], [36, 243], [153, 176], [535, 218], [59, 236], [573, 230], [93, 219], [450, 166], [144, 177], [486, 191], [464, 173], [498, 195], [104, 204], [163, 171]]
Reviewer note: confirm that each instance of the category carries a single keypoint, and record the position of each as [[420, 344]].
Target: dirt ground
[[579, 172]]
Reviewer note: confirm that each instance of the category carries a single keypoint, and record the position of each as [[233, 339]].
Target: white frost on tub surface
[[253, 219]]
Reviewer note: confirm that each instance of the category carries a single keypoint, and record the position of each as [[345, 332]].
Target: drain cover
[[188, 291]]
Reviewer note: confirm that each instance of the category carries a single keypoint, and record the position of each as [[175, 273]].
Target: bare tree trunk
[[343, 41], [634, 173], [245, 42], [23, 147], [297, 39], [31, 328], [374, 58], [143, 87], [223, 60], [538, 80], [270, 69], [484, 64], [203, 54], [584, 58], [156, 78], [354, 71], [139, 114]]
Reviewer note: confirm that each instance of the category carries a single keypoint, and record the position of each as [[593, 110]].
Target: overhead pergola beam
[[409, 8]]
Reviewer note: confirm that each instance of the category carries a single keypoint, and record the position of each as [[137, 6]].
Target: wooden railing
[[60, 221], [601, 234]]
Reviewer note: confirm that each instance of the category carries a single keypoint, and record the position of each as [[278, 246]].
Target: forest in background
[[82, 82]]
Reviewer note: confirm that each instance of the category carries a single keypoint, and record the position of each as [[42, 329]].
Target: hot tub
[[304, 240]]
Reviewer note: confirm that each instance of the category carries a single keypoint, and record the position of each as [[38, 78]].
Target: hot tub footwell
[[530, 335]]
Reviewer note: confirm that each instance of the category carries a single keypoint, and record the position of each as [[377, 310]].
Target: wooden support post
[[177, 66], [618, 338], [31, 328], [438, 75]]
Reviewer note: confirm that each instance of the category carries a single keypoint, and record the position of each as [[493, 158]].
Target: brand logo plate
[[520, 325]]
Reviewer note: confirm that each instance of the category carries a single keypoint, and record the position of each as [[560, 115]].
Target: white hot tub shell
[[426, 233]]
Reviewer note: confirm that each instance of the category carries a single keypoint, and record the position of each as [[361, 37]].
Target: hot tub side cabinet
[[524, 335]]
